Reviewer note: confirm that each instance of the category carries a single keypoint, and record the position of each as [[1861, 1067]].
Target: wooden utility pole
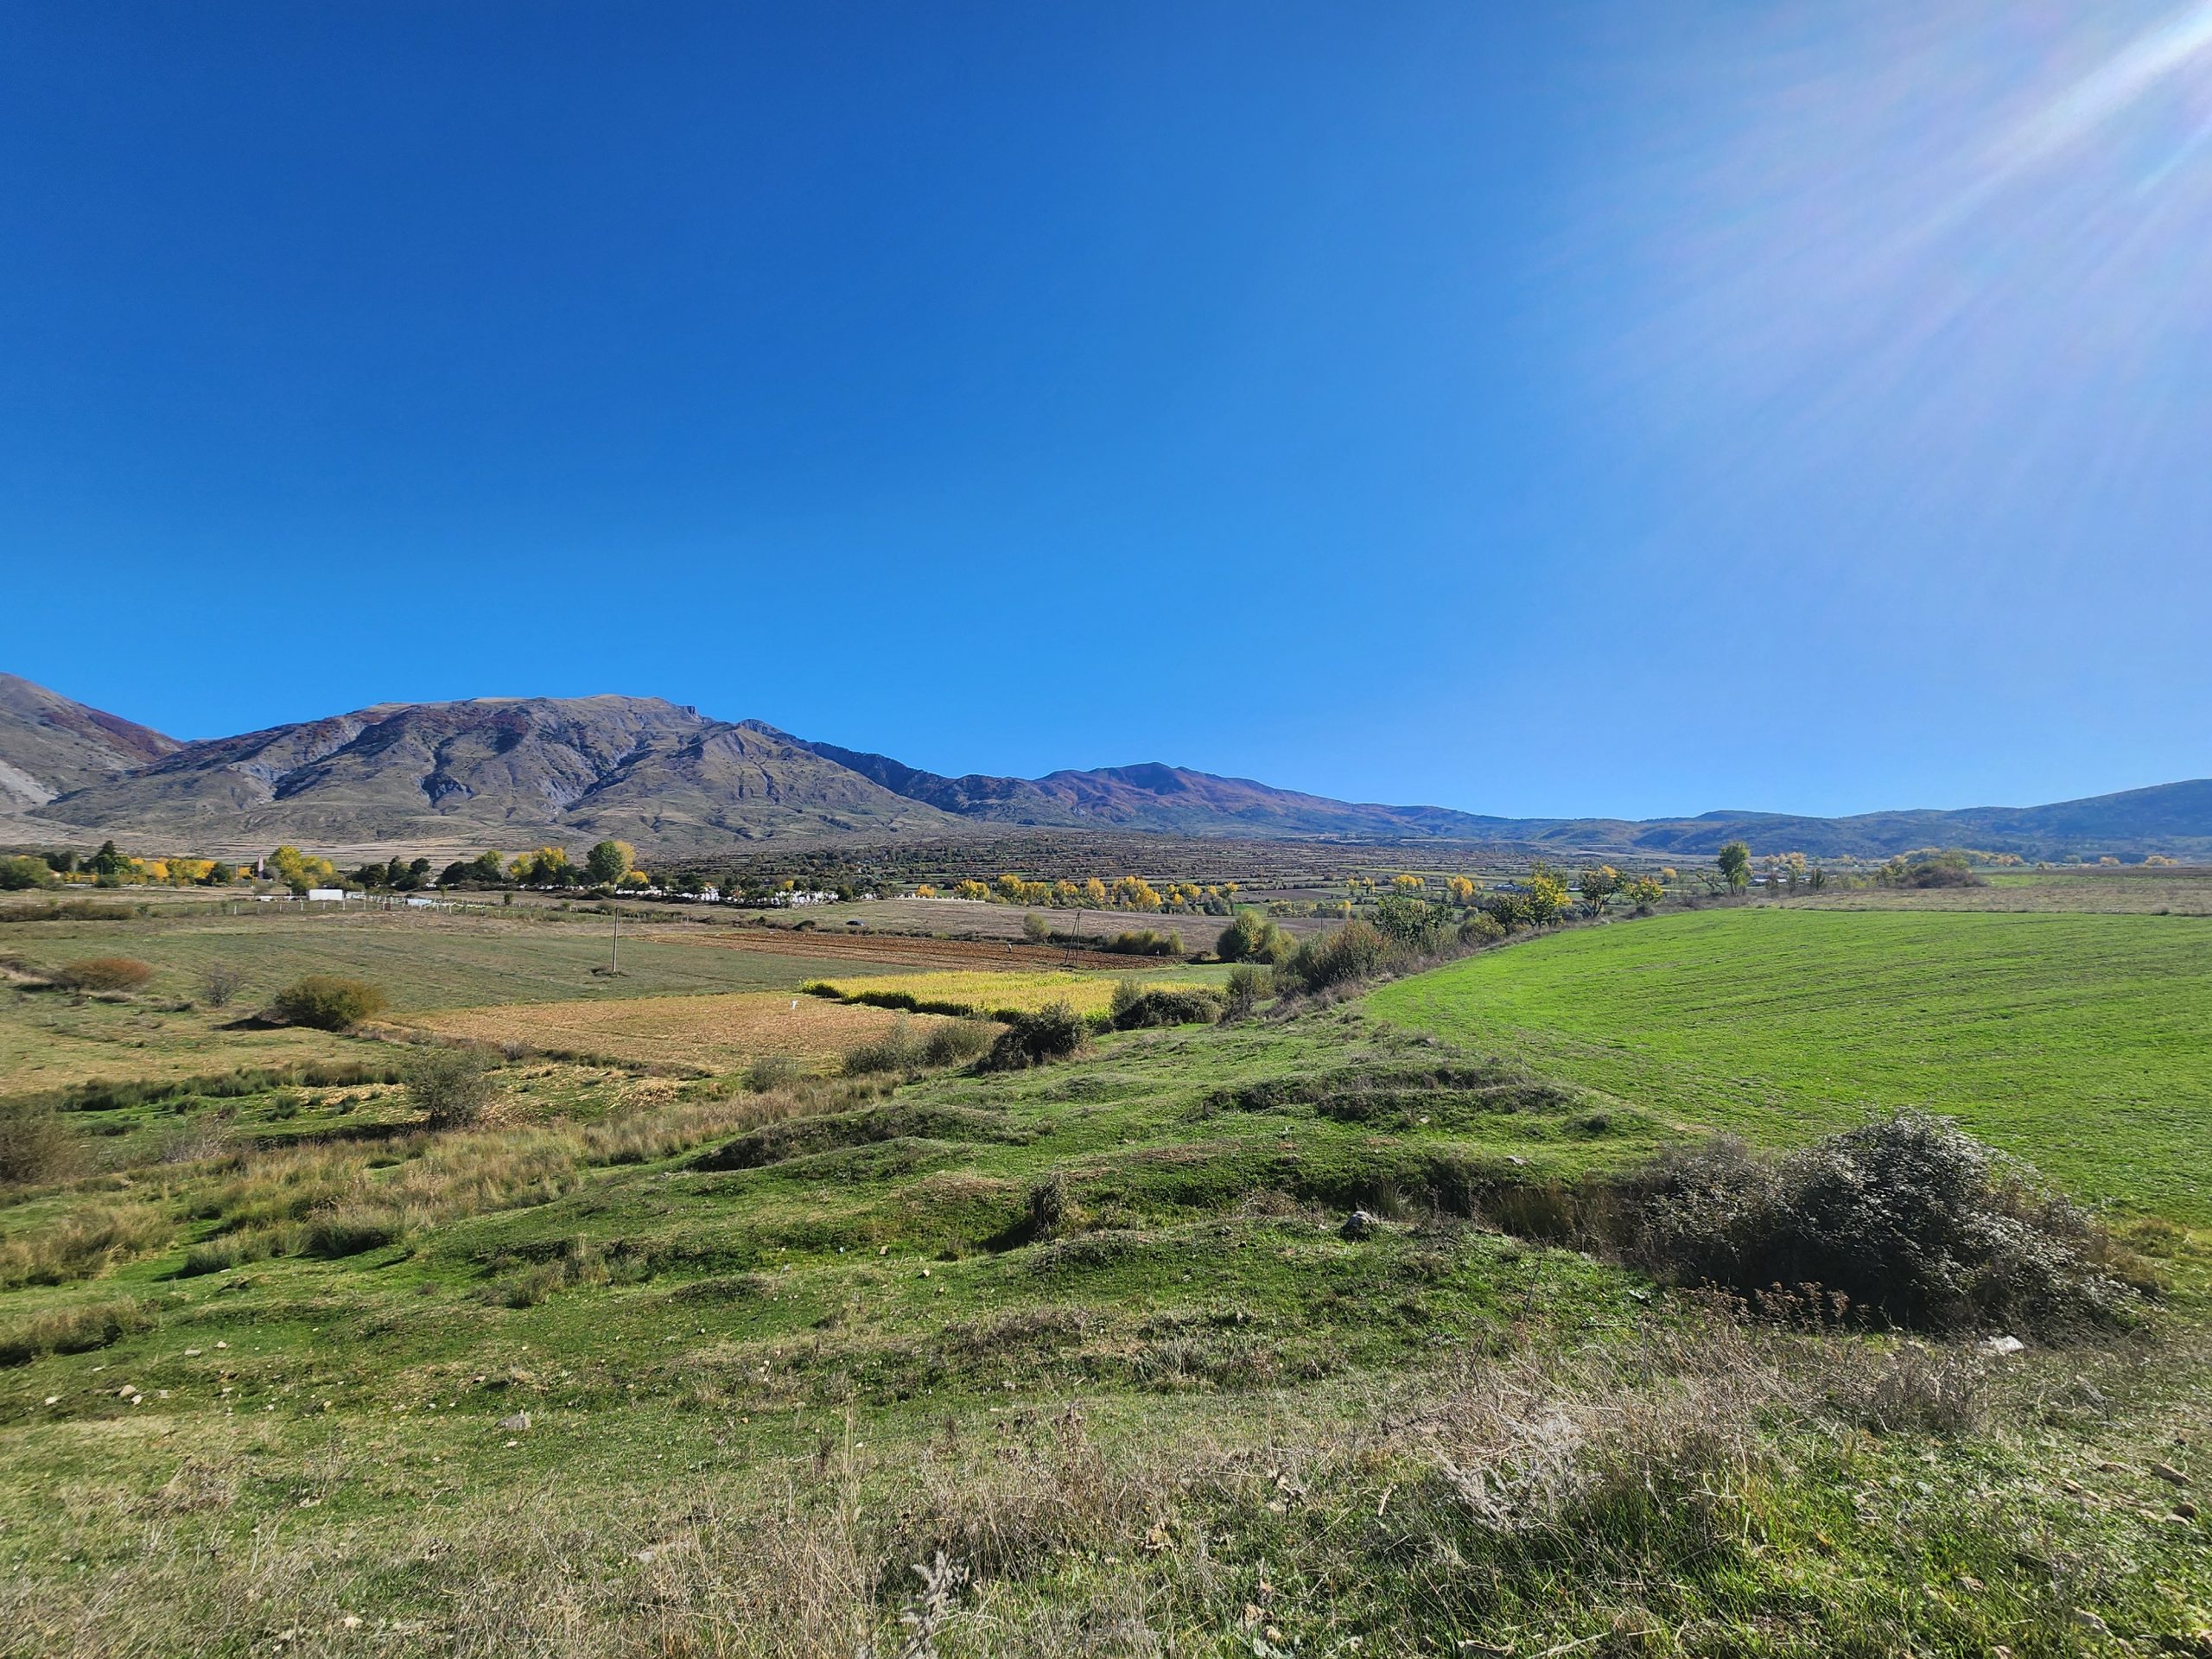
[[615, 950]]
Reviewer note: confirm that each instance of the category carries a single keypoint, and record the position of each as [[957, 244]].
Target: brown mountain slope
[[506, 771], [50, 745]]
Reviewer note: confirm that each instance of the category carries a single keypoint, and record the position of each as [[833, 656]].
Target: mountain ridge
[[509, 771]]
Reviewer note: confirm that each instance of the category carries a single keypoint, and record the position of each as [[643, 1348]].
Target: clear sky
[[1628, 408]]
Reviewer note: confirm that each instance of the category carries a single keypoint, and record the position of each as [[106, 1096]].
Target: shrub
[[1127, 995], [771, 1071], [1354, 952], [1251, 937], [1035, 928], [451, 1087], [1481, 928], [104, 974], [1053, 1033], [35, 1145], [897, 1050], [1948, 869], [1249, 985], [326, 1002], [220, 983], [1909, 1218], [958, 1042], [20, 874], [1146, 943], [1167, 1005], [1411, 921]]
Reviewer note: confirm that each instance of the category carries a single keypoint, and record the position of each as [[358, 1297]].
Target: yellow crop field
[[993, 995], [709, 1034]]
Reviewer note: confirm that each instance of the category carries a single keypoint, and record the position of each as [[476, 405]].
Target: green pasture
[[2078, 1042]]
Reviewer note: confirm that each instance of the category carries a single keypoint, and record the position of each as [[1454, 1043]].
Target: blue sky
[[1627, 408]]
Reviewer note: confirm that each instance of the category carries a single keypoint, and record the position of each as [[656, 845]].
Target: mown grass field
[[655, 1365], [2076, 1041], [998, 997], [705, 1033]]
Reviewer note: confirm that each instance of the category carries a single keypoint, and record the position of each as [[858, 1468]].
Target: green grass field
[[2076, 1041]]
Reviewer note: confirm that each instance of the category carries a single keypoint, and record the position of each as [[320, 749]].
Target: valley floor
[[1081, 1359]]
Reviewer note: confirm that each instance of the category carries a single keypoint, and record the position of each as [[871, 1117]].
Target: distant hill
[[496, 770], [515, 772], [50, 745], [1160, 799]]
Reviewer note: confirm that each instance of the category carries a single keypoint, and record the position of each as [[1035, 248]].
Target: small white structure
[[414, 902], [325, 895]]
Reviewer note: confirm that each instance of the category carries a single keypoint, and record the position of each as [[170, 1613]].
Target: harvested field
[[707, 1033]]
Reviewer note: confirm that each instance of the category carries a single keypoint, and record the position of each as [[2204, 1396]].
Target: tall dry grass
[[339, 1199]]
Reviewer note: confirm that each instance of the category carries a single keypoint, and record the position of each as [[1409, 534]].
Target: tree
[[17, 874], [108, 860], [1406, 919], [1547, 897], [1735, 865], [1407, 885], [608, 862], [1035, 928], [1598, 884], [219, 982], [300, 871], [1250, 936], [1461, 889]]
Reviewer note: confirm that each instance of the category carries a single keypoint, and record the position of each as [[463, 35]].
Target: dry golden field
[[706, 1033]]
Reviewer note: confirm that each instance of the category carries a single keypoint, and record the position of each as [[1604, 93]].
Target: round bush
[[451, 1087], [326, 1002], [1053, 1033], [104, 973]]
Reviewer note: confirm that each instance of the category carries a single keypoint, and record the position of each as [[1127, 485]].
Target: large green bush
[[1251, 937], [1910, 1220], [1053, 1033], [1340, 957], [1167, 1005], [327, 1002]]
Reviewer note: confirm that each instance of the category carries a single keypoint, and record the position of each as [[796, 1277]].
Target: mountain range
[[510, 771]]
